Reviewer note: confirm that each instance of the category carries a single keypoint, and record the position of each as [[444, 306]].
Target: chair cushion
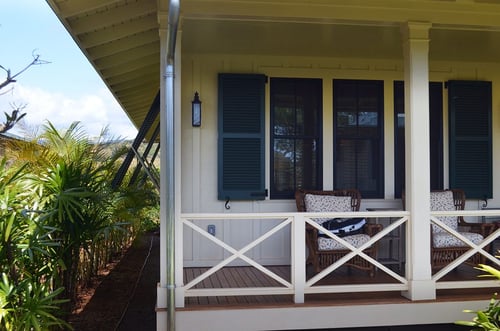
[[443, 201], [326, 203], [442, 240], [328, 244]]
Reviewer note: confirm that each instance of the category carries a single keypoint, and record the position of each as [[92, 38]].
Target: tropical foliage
[[60, 221], [488, 319]]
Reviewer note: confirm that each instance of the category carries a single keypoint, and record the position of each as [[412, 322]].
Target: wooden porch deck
[[237, 277]]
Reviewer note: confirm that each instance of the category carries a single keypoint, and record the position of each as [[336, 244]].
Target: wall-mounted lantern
[[196, 109]]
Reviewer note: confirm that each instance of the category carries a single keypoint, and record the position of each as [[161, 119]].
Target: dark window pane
[[296, 106], [284, 165], [347, 119], [368, 119], [368, 169], [358, 116], [345, 164], [306, 163], [284, 120]]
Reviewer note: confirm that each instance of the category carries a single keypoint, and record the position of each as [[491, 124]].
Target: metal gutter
[[167, 181]]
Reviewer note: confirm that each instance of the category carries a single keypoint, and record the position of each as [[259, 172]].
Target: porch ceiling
[[121, 37], [333, 40]]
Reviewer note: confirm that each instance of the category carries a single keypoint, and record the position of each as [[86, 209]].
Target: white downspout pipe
[[167, 170]]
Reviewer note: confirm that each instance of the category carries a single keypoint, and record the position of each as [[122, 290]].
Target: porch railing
[[474, 248], [298, 285]]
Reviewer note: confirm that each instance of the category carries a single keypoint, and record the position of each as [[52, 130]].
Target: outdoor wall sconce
[[196, 109]]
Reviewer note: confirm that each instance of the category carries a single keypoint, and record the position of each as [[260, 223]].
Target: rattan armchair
[[446, 247], [325, 251]]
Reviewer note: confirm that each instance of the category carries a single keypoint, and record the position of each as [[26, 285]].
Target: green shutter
[[241, 137], [470, 137]]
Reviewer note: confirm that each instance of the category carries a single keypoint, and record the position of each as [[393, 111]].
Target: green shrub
[[29, 305], [60, 222], [488, 319]]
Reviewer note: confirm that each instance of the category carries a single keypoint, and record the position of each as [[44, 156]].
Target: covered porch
[[386, 42]]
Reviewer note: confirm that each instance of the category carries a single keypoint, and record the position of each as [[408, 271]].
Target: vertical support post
[[298, 257], [170, 196], [179, 226], [161, 296], [415, 37]]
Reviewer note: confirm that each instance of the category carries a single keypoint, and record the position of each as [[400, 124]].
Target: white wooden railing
[[479, 248], [299, 285]]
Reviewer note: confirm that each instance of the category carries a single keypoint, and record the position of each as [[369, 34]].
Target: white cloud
[[94, 111]]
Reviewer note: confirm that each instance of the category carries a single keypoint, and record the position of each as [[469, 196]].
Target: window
[[241, 137], [296, 106], [469, 107], [358, 137], [435, 131]]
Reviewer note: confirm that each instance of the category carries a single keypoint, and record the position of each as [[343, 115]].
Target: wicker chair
[[446, 247], [326, 251]]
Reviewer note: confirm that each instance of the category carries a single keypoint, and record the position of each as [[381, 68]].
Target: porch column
[[415, 38], [161, 291]]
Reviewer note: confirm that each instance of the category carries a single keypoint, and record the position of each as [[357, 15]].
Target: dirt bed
[[123, 297]]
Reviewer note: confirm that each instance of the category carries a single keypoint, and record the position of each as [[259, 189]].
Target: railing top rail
[[368, 214], [274, 215], [476, 212]]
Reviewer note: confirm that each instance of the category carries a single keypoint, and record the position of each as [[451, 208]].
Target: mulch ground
[[122, 297]]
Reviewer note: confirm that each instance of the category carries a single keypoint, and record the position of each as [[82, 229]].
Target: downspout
[[168, 179]]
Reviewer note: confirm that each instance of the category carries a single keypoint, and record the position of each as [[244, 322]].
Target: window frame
[[315, 83], [379, 191]]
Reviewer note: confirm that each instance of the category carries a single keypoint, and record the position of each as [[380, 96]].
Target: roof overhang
[[120, 38]]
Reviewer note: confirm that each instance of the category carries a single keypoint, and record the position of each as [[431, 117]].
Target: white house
[[391, 97]]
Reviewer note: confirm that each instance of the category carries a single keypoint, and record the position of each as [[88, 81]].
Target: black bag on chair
[[344, 226]]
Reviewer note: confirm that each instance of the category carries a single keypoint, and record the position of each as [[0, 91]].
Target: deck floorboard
[[246, 276]]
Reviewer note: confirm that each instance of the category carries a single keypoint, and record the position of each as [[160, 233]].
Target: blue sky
[[65, 90]]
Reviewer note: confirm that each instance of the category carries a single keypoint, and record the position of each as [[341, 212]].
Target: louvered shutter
[[241, 137], [470, 137]]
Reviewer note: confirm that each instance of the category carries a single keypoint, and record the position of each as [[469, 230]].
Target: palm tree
[[28, 299], [71, 177]]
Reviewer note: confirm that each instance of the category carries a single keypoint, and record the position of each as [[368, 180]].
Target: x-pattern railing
[[239, 254], [308, 286], [474, 248], [356, 250], [299, 285]]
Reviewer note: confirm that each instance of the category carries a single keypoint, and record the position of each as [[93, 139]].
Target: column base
[[420, 290]]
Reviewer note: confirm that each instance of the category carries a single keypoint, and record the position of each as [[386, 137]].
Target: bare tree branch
[[13, 118], [16, 115], [7, 91], [12, 78]]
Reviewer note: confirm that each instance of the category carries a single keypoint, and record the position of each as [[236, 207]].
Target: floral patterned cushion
[[328, 244], [440, 240], [443, 201], [326, 203]]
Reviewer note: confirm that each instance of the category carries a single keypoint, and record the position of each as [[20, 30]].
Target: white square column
[[415, 38]]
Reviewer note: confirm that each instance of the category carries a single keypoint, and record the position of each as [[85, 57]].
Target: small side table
[[391, 247]]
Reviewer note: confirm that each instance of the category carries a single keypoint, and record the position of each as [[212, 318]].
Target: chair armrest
[[487, 229], [372, 229], [311, 236], [484, 229]]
